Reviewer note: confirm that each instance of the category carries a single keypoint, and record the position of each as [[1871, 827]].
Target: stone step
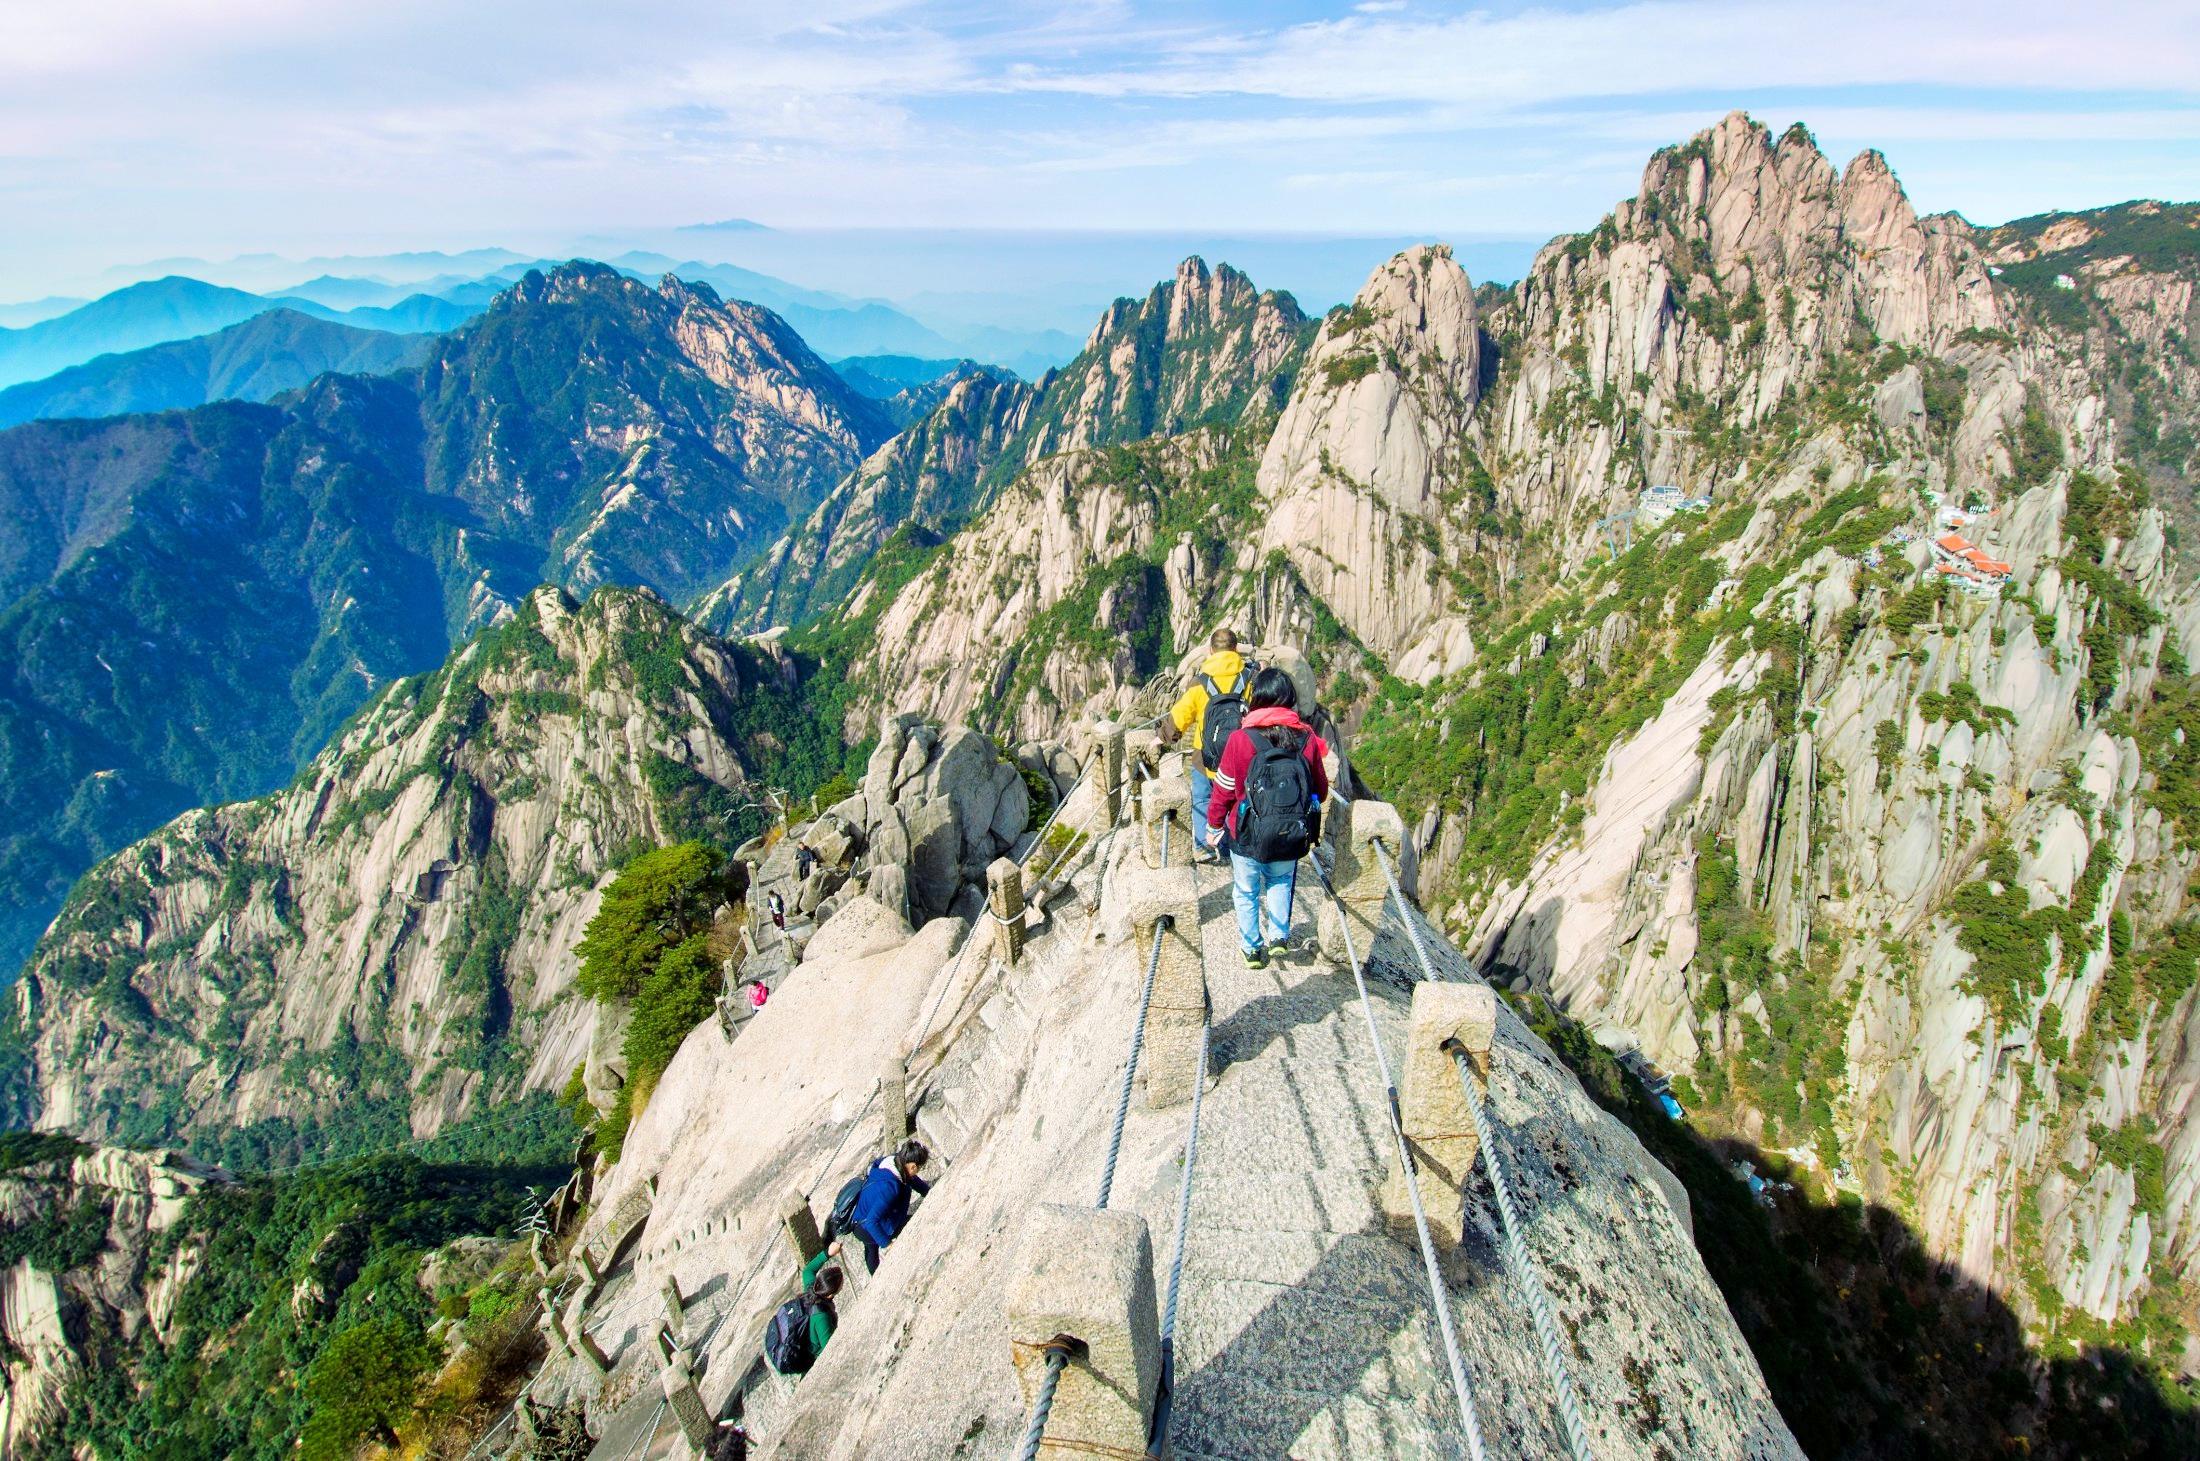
[[1317, 1200]]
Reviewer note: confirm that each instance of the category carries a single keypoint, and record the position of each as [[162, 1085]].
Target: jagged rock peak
[[568, 281], [1203, 348], [1196, 298], [1370, 439]]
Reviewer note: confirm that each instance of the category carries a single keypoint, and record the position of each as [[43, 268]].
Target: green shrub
[[659, 900], [361, 1387]]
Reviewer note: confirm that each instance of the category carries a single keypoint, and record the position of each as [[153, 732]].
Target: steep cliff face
[[1203, 350], [2119, 288], [926, 481], [82, 1226], [389, 942], [1368, 458], [190, 603], [1895, 876]]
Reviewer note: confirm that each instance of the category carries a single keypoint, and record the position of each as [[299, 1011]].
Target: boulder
[[963, 773], [861, 926], [890, 842], [1013, 808], [888, 886], [878, 772], [832, 839], [605, 1069], [935, 854], [461, 1263], [911, 765]]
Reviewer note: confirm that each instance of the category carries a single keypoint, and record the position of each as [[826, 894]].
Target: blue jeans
[[1262, 892], [1203, 791]]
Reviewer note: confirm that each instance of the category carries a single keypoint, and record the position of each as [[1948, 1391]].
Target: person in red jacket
[[1267, 799]]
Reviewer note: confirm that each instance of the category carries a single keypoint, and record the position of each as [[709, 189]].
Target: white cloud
[[155, 126], [1498, 63]]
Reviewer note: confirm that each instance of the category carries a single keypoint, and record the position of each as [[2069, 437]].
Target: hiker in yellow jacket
[[1208, 712]]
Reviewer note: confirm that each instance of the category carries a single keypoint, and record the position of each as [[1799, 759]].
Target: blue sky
[[141, 128]]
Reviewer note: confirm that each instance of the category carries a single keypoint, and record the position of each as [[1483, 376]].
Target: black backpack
[[1277, 821], [787, 1337], [842, 1218], [1225, 709]]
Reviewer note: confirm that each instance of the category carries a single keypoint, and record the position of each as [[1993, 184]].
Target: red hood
[[1275, 715]]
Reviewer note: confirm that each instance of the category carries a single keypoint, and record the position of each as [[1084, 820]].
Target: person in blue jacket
[[883, 1209]]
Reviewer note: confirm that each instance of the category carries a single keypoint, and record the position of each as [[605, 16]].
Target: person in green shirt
[[821, 1280]]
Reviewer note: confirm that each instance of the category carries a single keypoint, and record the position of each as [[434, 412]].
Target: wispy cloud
[[142, 126]]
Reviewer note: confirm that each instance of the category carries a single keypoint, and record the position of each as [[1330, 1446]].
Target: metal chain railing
[[1516, 1249], [763, 1257], [1439, 1296]]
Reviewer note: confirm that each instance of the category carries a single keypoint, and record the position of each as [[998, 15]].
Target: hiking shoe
[[1278, 949], [1256, 958]]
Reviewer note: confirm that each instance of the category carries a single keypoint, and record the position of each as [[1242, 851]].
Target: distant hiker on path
[[882, 1211], [758, 994], [779, 911], [804, 860], [1215, 704], [1267, 799]]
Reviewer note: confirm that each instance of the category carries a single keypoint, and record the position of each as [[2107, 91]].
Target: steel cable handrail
[[1138, 1040], [1042, 1406], [1516, 1249], [1439, 1296]]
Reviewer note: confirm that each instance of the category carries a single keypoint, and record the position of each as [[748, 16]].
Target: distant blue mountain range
[[176, 308], [255, 360], [60, 335]]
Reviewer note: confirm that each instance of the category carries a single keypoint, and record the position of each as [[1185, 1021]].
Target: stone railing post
[[1348, 829], [1085, 1277], [801, 1227], [1167, 899], [553, 1328], [1005, 897], [675, 1306], [1439, 1128], [592, 1352], [685, 1401], [1165, 810], [1108, 769]]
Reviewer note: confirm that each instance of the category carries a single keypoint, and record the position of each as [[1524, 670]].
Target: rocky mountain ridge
[[84, 1227], [1203, 349], [388, 943], [1830, 376], [192, 602]]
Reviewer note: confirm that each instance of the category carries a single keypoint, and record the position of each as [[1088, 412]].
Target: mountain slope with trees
[[191, 602]]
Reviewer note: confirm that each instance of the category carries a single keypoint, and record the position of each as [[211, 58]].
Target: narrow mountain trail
[[1305, 1325], [1303, 1330]]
